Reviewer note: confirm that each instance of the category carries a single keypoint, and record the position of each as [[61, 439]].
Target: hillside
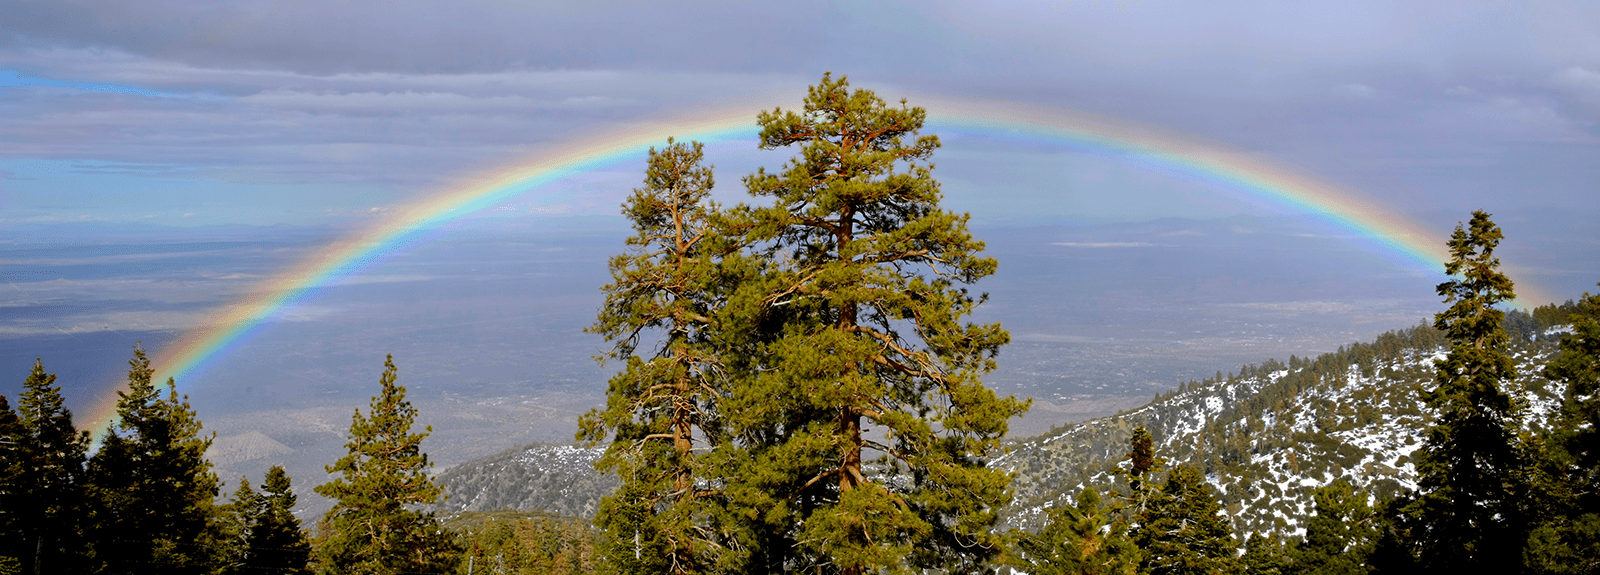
[[1266, 438], [557, 479]]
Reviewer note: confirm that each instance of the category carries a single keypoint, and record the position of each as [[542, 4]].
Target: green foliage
[[374, 528], [1567, 538], [866, 309], [12, 495], [1085, 539], [1339, 537], [235, 519], [1265, 555], [1468, 512], [528, 543], [1142, 463], [1183, 531], [672, 281], [275, 543], [151, 485], [46, 460]]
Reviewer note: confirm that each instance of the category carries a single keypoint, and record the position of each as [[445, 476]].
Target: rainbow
[[1184, 155]]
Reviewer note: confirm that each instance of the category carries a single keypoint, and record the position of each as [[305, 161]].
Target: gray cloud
[[1419, 102]]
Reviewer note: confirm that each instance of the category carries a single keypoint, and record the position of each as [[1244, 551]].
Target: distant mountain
[[1265, 437], [558, 479]]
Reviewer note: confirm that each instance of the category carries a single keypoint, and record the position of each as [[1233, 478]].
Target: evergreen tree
[[1085, 539], [1183, 531], [152, 486], [1339, 537], [1265, 555], [276, 544], [659, 408], [1467, 508], [866, 302], [235, 518], [49, 503], [1142, 466], [1567, 539], [374, 527], [12, 468]]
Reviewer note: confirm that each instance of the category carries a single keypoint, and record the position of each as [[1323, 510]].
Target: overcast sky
[[263, 112]]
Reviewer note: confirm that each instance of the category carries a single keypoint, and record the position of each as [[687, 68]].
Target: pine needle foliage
[[151, 485], [1469, 468], [47, 455], [275, 543], [662, 408], [1082, 539], [374, 527], [1183, 531], [1567, 538], [866, 303]]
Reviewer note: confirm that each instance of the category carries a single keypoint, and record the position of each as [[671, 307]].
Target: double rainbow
[[1191, 157]]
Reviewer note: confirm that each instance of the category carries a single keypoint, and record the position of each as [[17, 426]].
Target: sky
[[257, 112], [159, 160]]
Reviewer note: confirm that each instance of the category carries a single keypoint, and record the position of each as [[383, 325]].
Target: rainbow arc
[[1230, 170]]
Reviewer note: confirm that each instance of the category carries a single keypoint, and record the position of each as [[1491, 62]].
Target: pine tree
[[1567, 539], [49, 503], [671, 284], [866, 304], [276, 543], [374, 527], [1183, 533], [1142, 467], [1339, 537], [13, 541], [1467, 508], [1265, 555], [1085, 539], [235, 518], [151, 484]]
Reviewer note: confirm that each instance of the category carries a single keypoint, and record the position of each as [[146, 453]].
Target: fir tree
[[1567, 538], [867, 302], [1183, 533], [13, 544], [1085, 539], [235, 518], [374, 527], [1467, 508], [1265, 555], [49, 502], [1142, 466], [151, 484], [276, 543], [660, 407], [1339, 537]]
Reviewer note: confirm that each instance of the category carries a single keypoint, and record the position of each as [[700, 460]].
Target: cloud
[[1104, 244], [1355, 91]]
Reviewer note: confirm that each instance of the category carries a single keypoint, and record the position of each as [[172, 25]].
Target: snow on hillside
[[1267, 440]]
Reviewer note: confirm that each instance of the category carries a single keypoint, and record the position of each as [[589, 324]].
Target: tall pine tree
[[374, 527], [151, 485], [1466, 513], [663, 407], [868, 422], [49, 499]]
